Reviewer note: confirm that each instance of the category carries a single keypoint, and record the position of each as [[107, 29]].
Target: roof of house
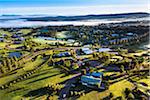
[[130, 34], [112, 40], [95, 74], [104, 49], [124, 38], [90, 80], [87, 50], [114, 35]]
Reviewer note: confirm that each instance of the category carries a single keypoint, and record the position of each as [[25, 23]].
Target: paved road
[[65, 91]]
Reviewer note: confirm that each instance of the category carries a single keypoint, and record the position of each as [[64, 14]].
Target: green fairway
[[40, 79]]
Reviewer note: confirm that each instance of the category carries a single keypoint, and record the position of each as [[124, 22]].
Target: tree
[[9, 64], [91, 70], [128, 94], [83, 71], [2, 68], [122, 68], [73, 53], [67, 63], [75, 66], [4, 63], [16, 64]]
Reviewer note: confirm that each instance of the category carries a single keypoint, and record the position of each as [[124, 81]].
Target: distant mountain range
[[88, 17], [13, 20]]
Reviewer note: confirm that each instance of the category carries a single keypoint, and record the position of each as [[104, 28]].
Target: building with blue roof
[[115, 35], [93, 79]]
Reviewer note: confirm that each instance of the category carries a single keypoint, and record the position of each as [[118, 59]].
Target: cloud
[[76, 10]]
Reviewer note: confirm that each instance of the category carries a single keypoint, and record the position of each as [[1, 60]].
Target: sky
[[72, 7]]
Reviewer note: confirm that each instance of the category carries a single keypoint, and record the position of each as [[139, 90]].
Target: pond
[[17, 54]]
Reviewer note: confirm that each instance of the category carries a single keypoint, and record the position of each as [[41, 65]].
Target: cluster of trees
[[20, 78], [54, 87], [77, 93], [9, 64], [29, 44], [66, 65], [102, 56], [134, 94], [97, 34], [132, 40]]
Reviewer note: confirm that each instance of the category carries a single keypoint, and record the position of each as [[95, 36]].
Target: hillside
[[89, 17]]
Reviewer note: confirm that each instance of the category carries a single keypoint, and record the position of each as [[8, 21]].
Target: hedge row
[[20, 78]]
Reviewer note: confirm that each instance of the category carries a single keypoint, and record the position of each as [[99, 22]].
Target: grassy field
[[5, 32], [25, 31], [61, 34], [30, 87], [15, 45], [28, 66], [2, 44], [38, 40], [118, 88]]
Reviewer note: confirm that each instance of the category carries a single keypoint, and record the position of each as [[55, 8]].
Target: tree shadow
[[44, 72], [111, 68], [11, 73], [14, 90], [38, 92], [42, 78]]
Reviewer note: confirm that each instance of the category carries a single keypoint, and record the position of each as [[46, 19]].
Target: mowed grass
[[2, 44], [144, 89], [147, 81], [29, 88], [94, 95], [15, 45], [28, 66], [5, 32], [25, 31], [62, 34], [42, 41], [117, 89]]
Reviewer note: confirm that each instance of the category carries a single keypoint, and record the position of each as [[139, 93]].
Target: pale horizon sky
[[70, 7]]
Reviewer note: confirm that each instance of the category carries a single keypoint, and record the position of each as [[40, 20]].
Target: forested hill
[[89, 17]]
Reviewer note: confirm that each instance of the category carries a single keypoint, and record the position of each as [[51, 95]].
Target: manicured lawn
[[147, 81], [61, 34], [15, 45], [95, 95], [5, 32], [25, 31], [2, 44], [144, 88], [32, 84], [118, 88], [38, 40], [28, 66]]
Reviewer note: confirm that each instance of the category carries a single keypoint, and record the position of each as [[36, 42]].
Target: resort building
[[93, 79]]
